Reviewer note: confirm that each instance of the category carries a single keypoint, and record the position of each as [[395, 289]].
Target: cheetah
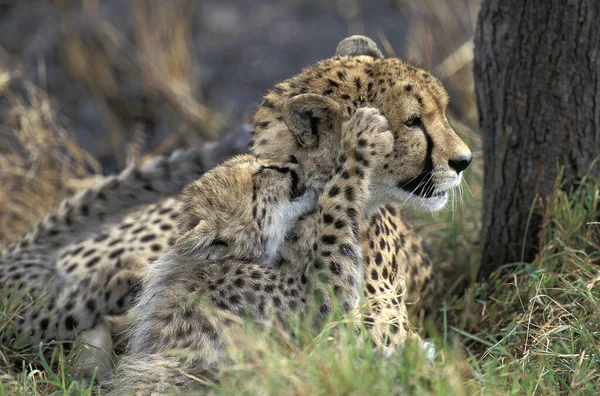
[[60, 306], [296, 118], [232, 260]]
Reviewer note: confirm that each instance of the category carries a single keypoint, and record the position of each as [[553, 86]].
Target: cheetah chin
[[420, 192]]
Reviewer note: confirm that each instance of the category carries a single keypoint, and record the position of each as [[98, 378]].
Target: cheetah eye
[[413, 121]]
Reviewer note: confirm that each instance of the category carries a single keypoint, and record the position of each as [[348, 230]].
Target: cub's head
[[302, 116], [243, 209]]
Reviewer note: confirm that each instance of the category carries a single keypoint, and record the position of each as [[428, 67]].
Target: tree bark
[[537, 80]]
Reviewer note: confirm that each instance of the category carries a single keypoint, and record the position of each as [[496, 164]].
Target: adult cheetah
[[296, 117]]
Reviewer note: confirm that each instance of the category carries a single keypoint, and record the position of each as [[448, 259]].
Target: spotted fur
[[426, 162]]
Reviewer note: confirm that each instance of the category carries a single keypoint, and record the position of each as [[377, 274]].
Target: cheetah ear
[[200, 242], [358, 45], [309, 116]]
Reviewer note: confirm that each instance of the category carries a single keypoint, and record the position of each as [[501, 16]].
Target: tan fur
[[247, 222]]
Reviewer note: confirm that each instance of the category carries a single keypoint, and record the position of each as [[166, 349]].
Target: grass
[[532, 329], [38, 158]]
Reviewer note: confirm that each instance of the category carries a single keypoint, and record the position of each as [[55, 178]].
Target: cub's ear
[[358, 45], [309, 116], [200, 242]]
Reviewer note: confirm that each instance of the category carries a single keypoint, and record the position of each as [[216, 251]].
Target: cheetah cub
[[238, 257]]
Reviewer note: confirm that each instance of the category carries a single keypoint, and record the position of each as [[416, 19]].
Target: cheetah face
[[303, 116], [428, 157], [243, 209]]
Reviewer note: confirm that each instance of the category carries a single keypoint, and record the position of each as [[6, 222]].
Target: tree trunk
[[537, 79]]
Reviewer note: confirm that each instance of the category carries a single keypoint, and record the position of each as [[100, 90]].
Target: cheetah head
[[302, 116], [243, 209]]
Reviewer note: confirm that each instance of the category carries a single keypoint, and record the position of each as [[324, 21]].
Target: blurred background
[[79, 80]]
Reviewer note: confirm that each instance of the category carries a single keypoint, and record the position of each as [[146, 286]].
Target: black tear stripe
[[422, 185], [295, 191]]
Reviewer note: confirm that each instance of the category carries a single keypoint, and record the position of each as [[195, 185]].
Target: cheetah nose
[[292, 159], [459, 164]]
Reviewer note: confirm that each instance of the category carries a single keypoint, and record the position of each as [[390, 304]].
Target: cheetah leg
[[337, 266], [385, 310]]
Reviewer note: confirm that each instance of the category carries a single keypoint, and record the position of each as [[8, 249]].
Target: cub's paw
[[368, 133], [427, 349]]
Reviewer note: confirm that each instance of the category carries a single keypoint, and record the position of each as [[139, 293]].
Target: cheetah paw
[[369, 129]]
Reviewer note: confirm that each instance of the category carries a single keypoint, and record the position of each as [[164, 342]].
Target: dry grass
[[163, 36], [158, 55], [39, 158], [41, 162]]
